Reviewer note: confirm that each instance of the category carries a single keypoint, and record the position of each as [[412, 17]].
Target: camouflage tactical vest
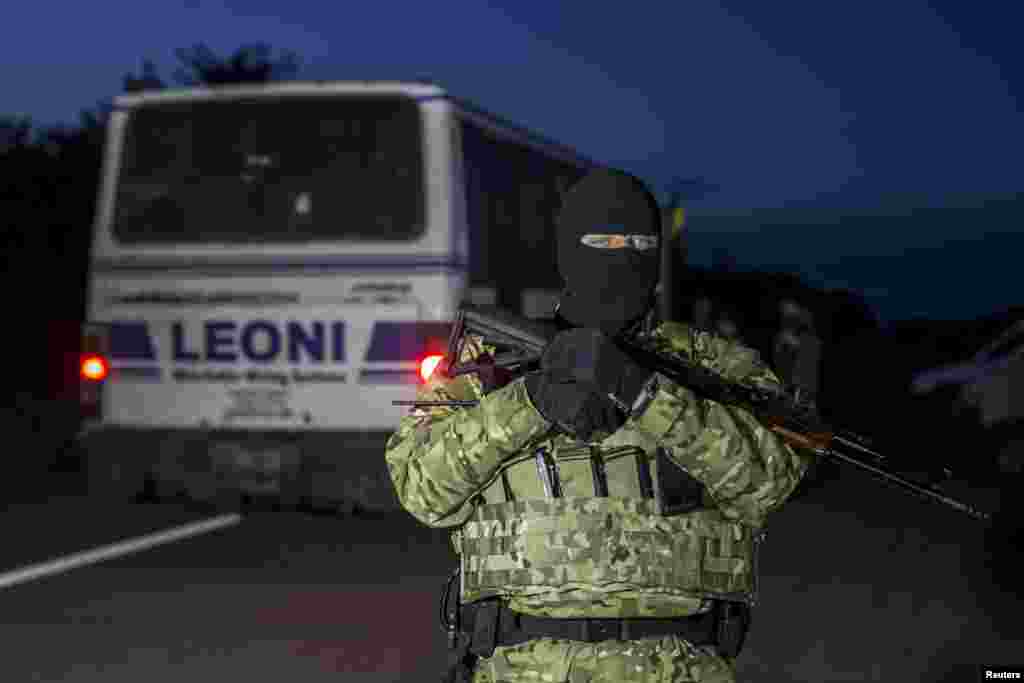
[[614, 513]]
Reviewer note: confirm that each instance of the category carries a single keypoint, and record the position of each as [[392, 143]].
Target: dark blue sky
[[783, 103]]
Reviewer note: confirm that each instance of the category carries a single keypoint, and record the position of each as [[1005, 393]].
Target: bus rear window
[[271, 170]]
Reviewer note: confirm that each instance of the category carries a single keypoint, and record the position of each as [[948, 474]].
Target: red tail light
[[428, 365], [94, 367]]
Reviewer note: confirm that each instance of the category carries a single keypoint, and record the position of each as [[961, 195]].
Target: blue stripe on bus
[[131, 341], [390, 341], [406, 341]]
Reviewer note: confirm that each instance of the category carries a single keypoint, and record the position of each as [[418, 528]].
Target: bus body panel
[[228, 353], [321, 351]]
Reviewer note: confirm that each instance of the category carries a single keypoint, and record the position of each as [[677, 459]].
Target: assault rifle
[[519, 343]]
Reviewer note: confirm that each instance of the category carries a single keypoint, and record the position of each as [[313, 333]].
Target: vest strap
[[597, 471]]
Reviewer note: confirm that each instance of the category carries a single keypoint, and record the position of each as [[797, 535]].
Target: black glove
[[576, 408], [491, 376], [587, 356]]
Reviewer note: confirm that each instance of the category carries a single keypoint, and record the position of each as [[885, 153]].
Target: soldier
[[606, 518]]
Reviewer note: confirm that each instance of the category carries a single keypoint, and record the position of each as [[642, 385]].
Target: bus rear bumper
[[326, 470]]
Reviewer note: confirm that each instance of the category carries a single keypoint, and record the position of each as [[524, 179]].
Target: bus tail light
[[93, 368], [430, 348], [428, 365], [411, 343]]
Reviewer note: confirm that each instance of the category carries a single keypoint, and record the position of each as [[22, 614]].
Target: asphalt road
[[858, 584]]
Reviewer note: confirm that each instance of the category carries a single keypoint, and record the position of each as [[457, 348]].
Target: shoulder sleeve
[[746, 468], [439, 458]]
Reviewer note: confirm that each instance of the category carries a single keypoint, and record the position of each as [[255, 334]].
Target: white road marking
[[107, 552]]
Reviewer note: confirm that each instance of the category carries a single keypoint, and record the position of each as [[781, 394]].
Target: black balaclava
[[608, 251]]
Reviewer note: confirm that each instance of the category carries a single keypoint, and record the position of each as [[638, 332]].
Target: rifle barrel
[[850, 441], [906, 484], [435, 404]]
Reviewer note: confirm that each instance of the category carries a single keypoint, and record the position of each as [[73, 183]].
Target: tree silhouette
[[252, 63], [15, 133], [148, 79], [199, 65]]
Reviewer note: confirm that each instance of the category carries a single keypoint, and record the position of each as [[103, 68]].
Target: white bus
[[270, 262]]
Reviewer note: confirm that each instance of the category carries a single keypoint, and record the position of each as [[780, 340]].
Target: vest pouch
[[677, 490]]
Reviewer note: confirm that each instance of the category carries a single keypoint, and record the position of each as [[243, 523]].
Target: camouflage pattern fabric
[[656, 660], [603, 557], [747, 469], [440, 457]]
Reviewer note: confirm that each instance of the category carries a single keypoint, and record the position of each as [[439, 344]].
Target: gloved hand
[[491, 376], [578, 409], [580, 372], [587, 356]]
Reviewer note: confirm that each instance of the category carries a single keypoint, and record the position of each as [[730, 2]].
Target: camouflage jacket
[[587, 554]]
